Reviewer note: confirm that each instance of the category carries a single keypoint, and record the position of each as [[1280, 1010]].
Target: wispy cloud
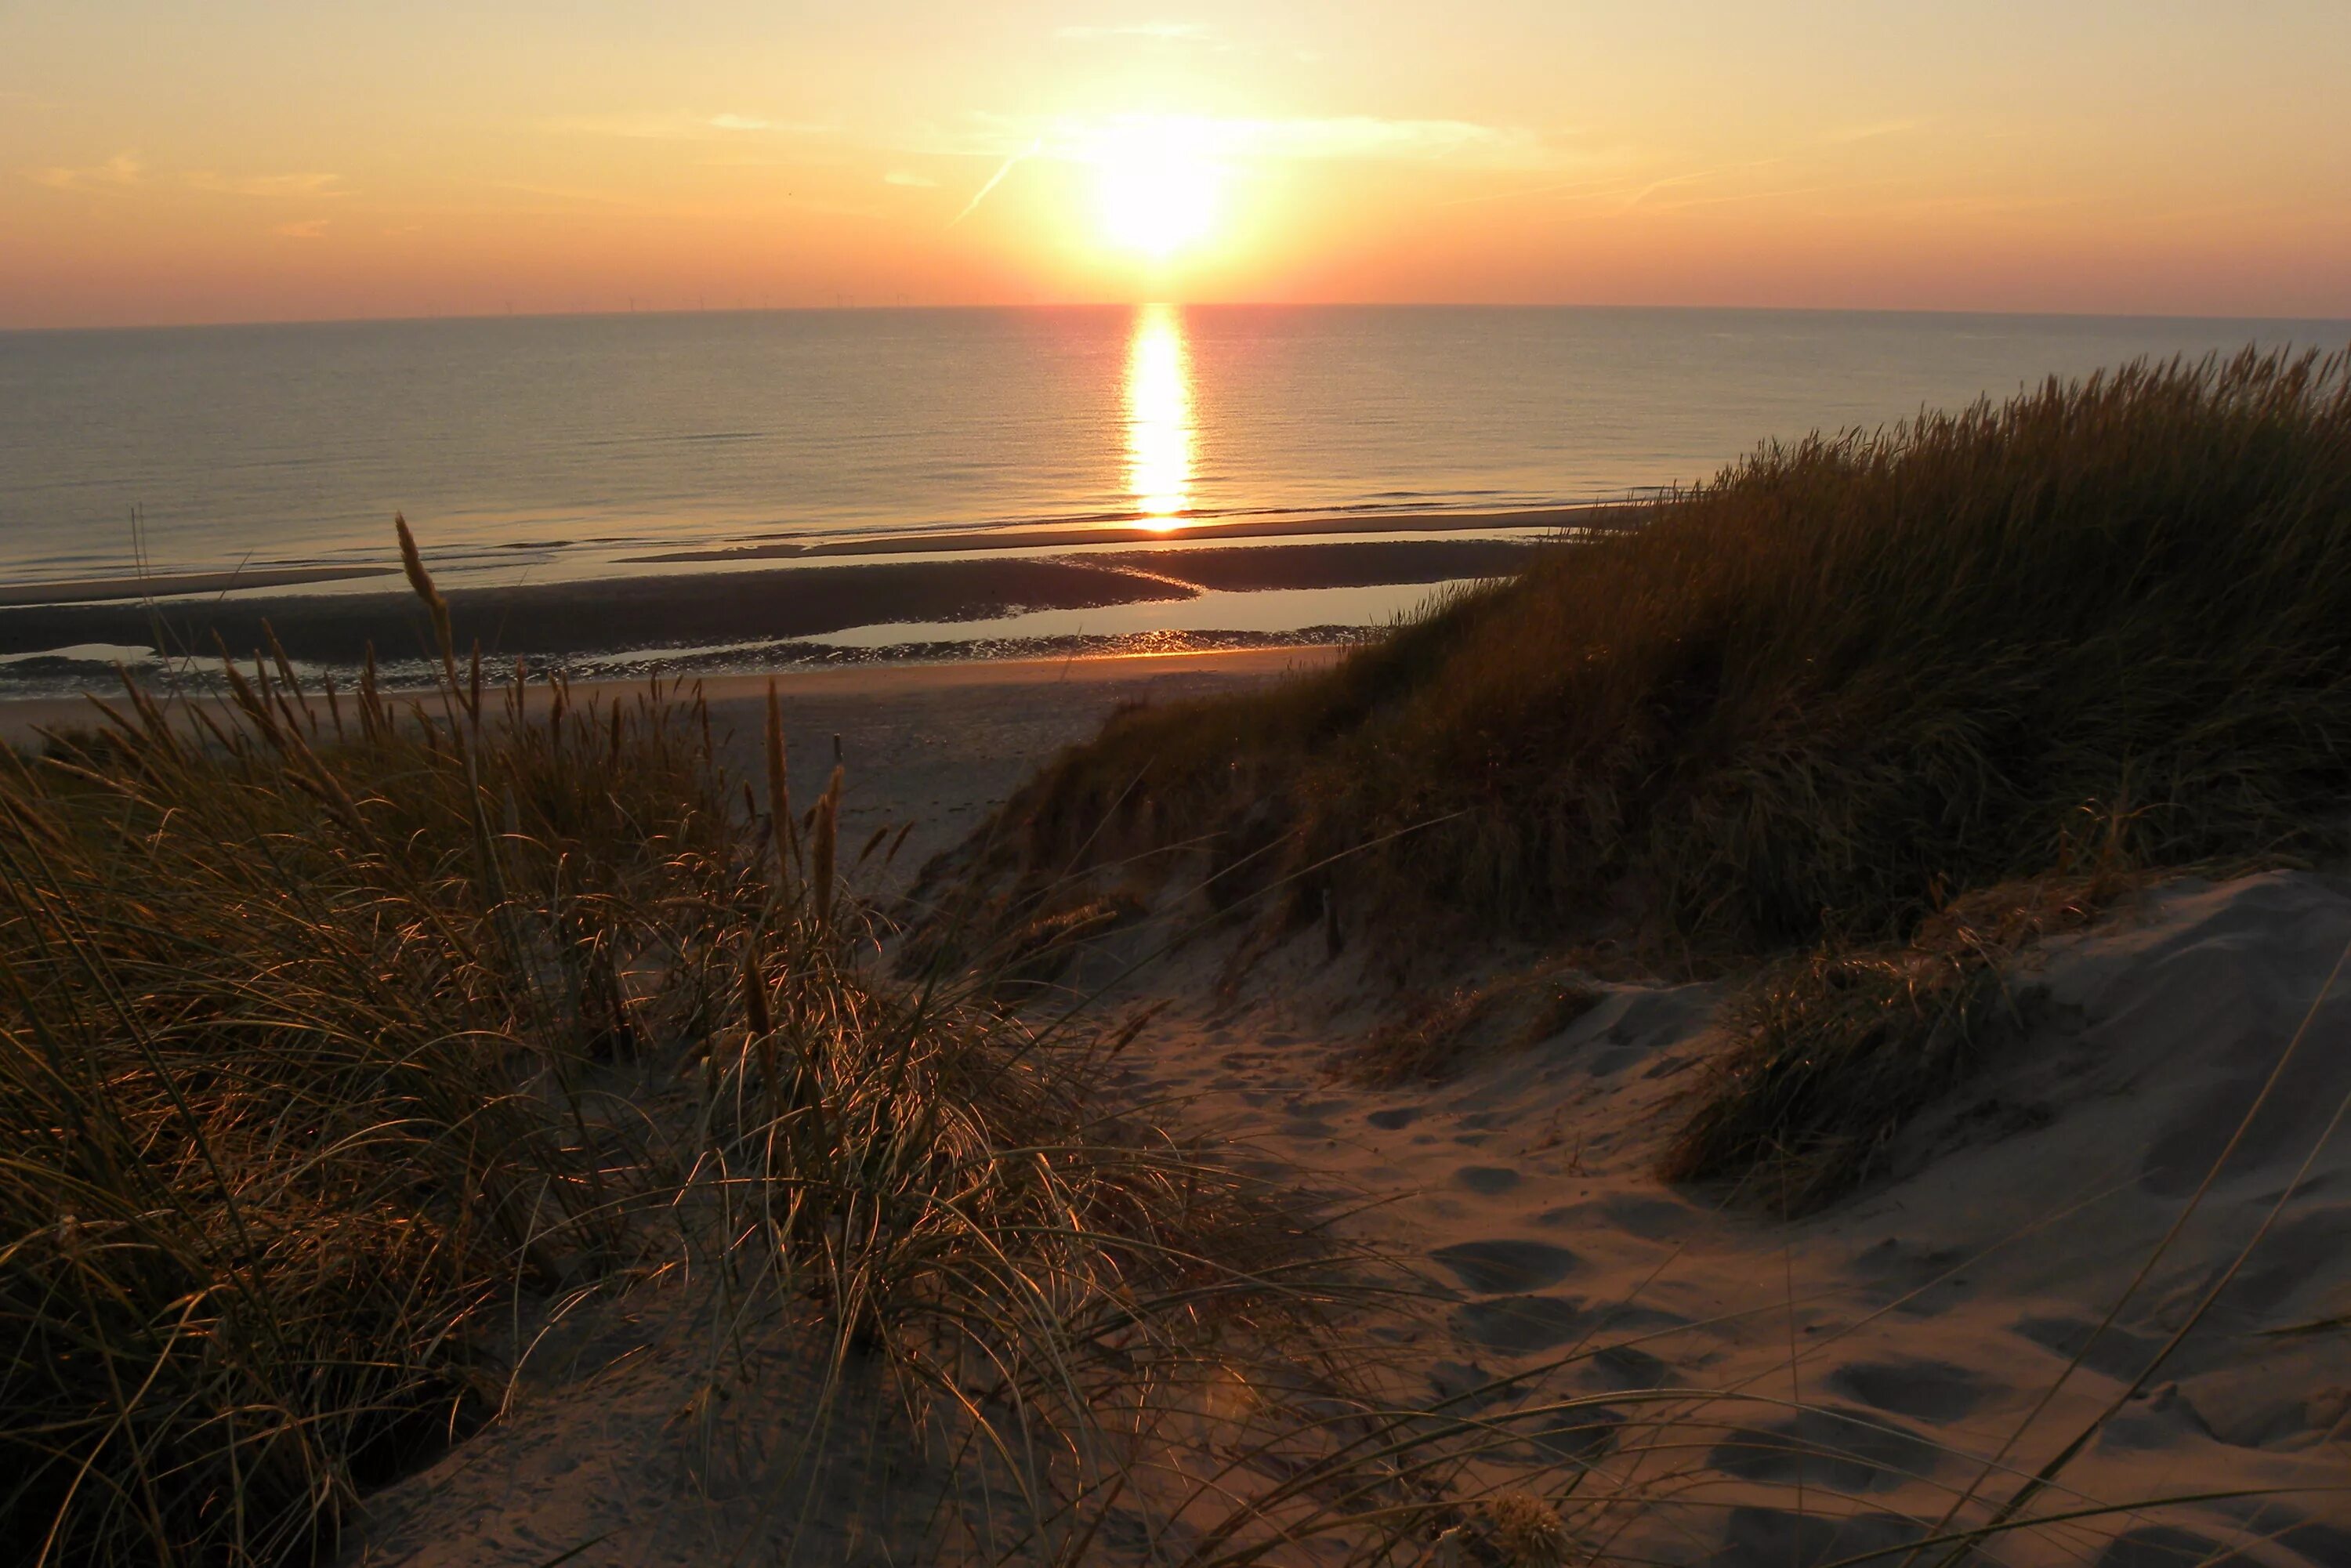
[[1846, 135], [266, 185], [1362, 137], [684, 126], [119, 173], [1170, 31], [908, 179], [1694, 177], [568, 197], [309, 228], [1365, 136]]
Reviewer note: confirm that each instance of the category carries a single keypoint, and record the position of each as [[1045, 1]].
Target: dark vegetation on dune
[[342, 1039], [338, 1036], [346, 1042], [1817, 701]]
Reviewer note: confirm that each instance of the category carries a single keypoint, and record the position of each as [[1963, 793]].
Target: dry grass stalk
[[1842, 681]]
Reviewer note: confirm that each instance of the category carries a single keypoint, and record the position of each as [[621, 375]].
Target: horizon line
[[877, 307]]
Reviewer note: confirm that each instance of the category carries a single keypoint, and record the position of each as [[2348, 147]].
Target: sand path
[[1865, 1366], [1777, 1394]]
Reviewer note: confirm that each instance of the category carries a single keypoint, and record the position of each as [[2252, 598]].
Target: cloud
[[1360, 137], [1171, 31], [683, 127], [910, 181], [1363, 136], [119, 172], [309, 228], [267, 185], [1845, 136]]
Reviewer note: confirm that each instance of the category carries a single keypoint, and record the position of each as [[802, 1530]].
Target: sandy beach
[[937, 746], [1597, 515], [1500, 786], [555, 620], [1771, 1393]]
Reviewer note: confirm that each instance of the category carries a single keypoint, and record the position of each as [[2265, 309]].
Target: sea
[[539, 449]]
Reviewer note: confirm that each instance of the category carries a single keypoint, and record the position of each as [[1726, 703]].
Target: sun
[[1158, 190]]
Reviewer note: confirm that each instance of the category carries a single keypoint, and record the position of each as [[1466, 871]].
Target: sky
[[262, 159]]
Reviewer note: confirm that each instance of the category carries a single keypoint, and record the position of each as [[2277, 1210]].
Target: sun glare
[[1158, 192], [1159, 416]]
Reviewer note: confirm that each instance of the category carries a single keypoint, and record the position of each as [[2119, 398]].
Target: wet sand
[[82, 590], [1598, 515], [554, 619]]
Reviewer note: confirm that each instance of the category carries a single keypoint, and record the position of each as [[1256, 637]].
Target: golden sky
[[264, 160]]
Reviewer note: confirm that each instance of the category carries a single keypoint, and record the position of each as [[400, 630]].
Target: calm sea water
[[558, 446]]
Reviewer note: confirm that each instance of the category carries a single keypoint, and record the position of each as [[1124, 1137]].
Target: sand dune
[[1758, 1392], [1862, 1369]]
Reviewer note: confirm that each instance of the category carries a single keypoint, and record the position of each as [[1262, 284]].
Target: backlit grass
[[1819, 694], [1810, 706]]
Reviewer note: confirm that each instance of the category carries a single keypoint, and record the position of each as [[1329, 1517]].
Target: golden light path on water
[[1159, 416]]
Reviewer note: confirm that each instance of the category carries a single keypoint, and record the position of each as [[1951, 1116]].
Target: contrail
[[994, 179]]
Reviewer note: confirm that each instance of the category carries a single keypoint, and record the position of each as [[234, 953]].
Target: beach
[[942, 601], [938, 747], [1683, 1043], [1503, 785], [1756, 1392]]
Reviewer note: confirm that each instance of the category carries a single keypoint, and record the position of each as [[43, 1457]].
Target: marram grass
[[1818, 695], [326, 1029], [1811, 707], [301, 1008]]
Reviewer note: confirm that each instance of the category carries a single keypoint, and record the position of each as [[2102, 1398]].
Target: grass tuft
[[1433, 1036], [1821, 695]]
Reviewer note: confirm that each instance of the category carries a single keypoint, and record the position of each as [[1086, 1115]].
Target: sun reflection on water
[[1159, 416]]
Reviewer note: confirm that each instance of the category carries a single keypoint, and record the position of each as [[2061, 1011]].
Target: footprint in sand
[[1576, 1432], [2114, 1351], [1463, 1387], [1521, 1325], [1486, 1181], [1843, 1450], [1389, 1121], [1627, 1367], [1777, 1537], [1650, 1219], [1492, 1268], [1928, 1390], [2169, 1546]]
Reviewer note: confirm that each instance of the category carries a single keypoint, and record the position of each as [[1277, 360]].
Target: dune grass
[[1808, 706], [341, 1034], [1822, 694], [1832, 1052], [335, 1030], [303, 1006]]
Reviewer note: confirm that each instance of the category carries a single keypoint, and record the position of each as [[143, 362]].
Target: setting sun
[[1157, 190]]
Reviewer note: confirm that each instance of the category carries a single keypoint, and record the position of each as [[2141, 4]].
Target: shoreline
[[176, 584], [547, 622], [1052, 537], [1043, 540]]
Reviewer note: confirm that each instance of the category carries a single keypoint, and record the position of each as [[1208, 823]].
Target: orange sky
[[262, 159]]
